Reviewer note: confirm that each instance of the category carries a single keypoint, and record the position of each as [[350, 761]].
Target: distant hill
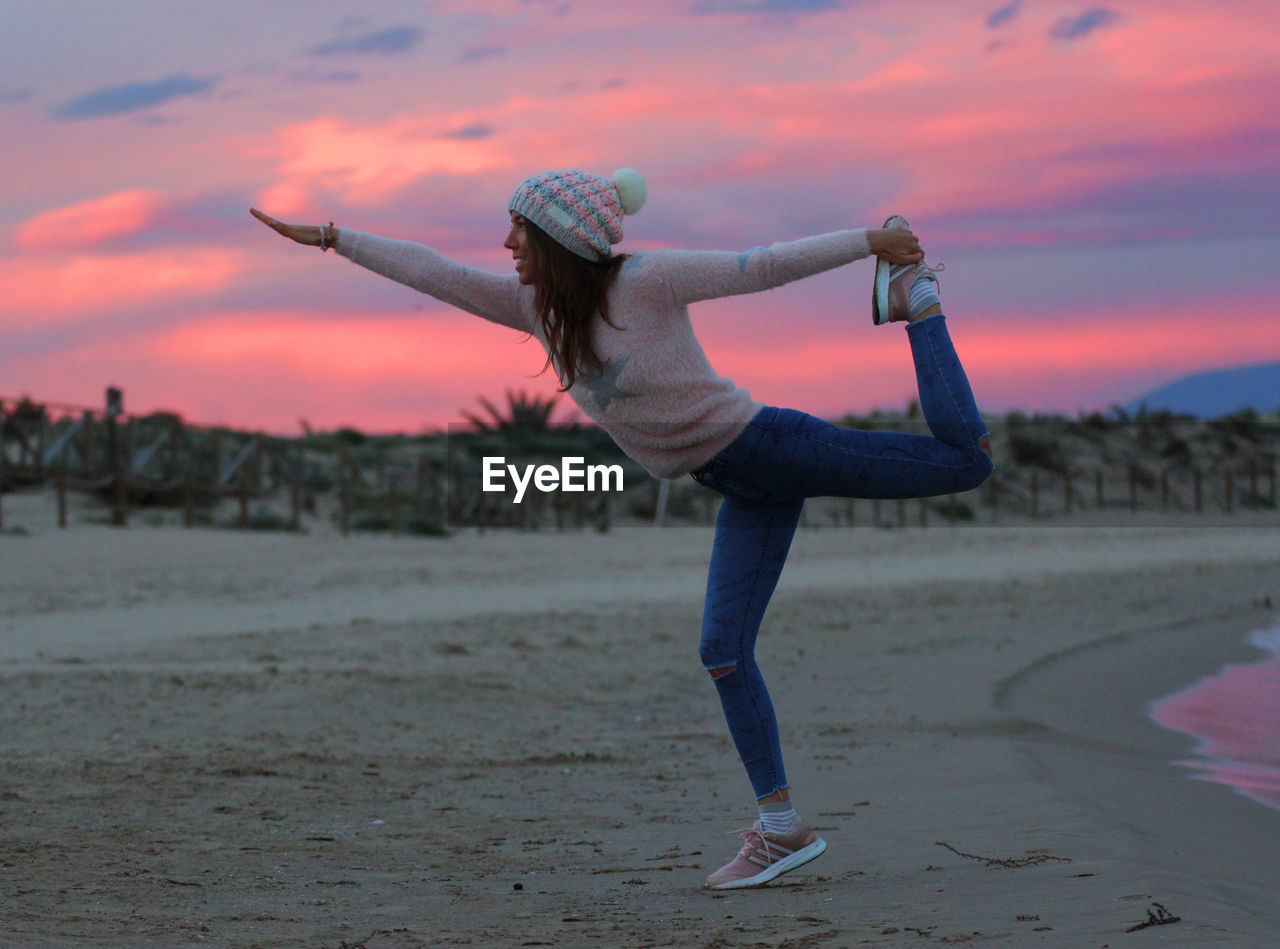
[[1217, 392]]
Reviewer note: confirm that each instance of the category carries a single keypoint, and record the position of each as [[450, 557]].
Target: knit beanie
[[581, 212]]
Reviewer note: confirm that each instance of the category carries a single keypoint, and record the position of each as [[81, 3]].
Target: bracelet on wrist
[[327, 239]]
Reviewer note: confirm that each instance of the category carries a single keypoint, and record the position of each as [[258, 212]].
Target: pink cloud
[[733, 119], [949, 128], [441, 347], [267, 368], [368, 162], [1059, 360], [49, 290], [387, 373], [88, 224]]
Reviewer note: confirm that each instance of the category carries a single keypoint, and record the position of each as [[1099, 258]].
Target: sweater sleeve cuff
[[861, 243]]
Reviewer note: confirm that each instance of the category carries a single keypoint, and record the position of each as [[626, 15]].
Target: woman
[[617, 332]]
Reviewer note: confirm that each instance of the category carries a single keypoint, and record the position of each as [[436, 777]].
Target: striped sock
[[779, 818], [924, 293]]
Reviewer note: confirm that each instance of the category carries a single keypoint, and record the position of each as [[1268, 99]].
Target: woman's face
[[518, 243]]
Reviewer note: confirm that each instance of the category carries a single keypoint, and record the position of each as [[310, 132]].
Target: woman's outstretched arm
[[705, 275], [499, 299]]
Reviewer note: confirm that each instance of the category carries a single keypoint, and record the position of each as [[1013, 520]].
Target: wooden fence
[[1029, 493], [158, 461], [431, 484]]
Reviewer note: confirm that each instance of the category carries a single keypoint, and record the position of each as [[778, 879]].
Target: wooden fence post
[[42, 442], [605, 518], [1199, 489], [120, 513], [177, 436], [393, 504], [420, 495], [86, 446], [1066, 492], [344, 492], [215, 451], [62, 500], [256, 464], [1253, 484], [4, 463], [299, 462], [1133, 490], [1035, 492], [482, 512], [130, 443]]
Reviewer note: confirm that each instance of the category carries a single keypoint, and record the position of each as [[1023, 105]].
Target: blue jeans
[[783, 457]]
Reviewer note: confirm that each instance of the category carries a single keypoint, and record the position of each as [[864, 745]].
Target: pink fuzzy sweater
[[658, 396]]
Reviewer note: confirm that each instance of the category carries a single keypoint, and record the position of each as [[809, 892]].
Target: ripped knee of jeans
[[717, 672]]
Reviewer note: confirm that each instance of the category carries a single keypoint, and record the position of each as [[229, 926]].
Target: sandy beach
[[233, 739]]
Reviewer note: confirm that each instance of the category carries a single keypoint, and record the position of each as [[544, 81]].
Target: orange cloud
[[58, 290], [90, 223]]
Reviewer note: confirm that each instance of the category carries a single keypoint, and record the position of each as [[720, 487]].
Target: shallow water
[[1235, 716]]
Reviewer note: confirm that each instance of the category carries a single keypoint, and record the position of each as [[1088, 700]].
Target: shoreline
[[1123, 765], [318, 738]]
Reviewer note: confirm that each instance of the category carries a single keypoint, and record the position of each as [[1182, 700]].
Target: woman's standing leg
[[747, 557], [752, 540]]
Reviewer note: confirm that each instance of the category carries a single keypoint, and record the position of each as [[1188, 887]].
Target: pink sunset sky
[[1100, 181]]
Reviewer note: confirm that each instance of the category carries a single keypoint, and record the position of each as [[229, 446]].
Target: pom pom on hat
[[580, 211], [632, 191]]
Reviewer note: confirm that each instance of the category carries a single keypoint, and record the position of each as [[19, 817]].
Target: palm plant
[[524, 414]]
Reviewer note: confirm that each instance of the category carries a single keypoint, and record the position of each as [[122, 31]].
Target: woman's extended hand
[[896, 245], [295, 232]]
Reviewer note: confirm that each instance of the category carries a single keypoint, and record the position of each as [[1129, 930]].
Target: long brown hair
[[571, 290]]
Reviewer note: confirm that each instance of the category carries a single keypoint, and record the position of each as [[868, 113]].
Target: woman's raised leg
[[787, 455]]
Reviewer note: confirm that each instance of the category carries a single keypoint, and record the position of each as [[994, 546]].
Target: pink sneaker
[[765, 856], [891, 296]]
